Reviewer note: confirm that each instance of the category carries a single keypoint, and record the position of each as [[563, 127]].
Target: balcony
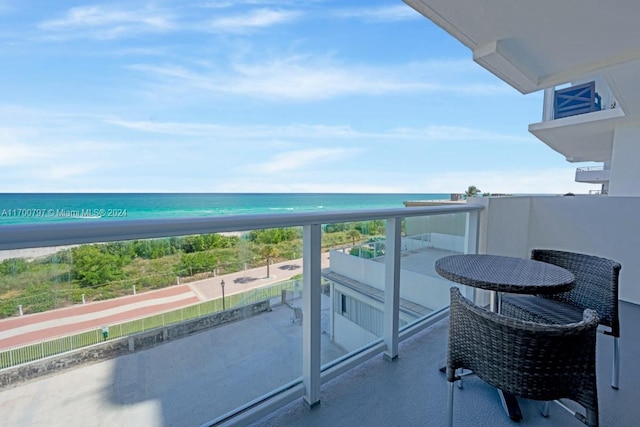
[[593, 175], [579, 121], [257, 370]]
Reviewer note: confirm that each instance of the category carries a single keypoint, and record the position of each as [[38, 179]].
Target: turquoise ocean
[[24, 208]]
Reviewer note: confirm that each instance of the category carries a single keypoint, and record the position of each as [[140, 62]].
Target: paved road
[[22, 330]]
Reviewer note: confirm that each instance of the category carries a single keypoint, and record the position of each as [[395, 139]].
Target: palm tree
[[472, 191], [269, 252], [353, 234]]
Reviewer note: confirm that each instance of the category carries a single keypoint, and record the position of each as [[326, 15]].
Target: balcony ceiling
[[532, 45]]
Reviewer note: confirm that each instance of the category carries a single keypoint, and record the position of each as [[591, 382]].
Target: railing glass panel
[[231, 318], [353, 297], [228, 288], [423, 291]]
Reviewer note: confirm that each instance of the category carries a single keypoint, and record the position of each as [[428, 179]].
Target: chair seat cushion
[[540, 310]]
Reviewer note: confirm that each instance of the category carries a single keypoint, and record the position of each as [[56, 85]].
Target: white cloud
[[245, 132], [301, 78], [323, 132], [515, 181], [300, 159], [65, 171], [108, 22], [264, 185], [381, 14], [296, 80], [44, 149], [111, 22], [14, 154], [223, 4], [454, 133], [255, 19], [538, 181]]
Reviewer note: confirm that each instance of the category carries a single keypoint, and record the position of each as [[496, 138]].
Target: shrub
[[13, 266], [197, 262], [273, 236], [97, 264]]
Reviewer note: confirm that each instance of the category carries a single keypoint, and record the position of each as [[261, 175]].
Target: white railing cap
[[21, 236]]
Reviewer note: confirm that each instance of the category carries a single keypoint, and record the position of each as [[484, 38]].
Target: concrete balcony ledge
[[593, 176]]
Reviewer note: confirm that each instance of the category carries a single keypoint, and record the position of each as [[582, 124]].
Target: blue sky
[[257, 96]]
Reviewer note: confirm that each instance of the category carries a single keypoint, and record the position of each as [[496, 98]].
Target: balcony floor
[[412, 392], [178, 384]]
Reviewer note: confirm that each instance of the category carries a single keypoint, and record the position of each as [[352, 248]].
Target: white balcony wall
[[601, 226], [452, 224], [429, 292], [416, 243], [448, 242], [625, 173], [349, 335], [506, 230], [433, 240], [356, 268]]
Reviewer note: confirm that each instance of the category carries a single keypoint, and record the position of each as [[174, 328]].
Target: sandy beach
[[31, 253]]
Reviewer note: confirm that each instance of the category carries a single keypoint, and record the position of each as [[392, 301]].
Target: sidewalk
[[242, 281], [17, 331]]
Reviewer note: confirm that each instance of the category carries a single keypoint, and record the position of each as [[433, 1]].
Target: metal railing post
[[471, 247], [392, 288], [473, 229], [311, 310]]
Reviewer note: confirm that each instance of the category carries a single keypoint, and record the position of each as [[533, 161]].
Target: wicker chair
[[530, 360], [596, 288]]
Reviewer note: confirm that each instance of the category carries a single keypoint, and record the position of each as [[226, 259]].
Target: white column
[[625, 173], [311, 294], [392, 287], [548, 107]]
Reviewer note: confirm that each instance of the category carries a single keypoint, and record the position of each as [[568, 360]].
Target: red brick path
[[96, 310]]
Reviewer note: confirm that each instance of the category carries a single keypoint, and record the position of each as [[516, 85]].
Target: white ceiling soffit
[[532, 45]]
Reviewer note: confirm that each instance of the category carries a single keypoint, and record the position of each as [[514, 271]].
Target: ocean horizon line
[[53, 207], [214, 192]]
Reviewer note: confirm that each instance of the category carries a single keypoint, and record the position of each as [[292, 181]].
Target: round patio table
[[501, 274], [505, 274]]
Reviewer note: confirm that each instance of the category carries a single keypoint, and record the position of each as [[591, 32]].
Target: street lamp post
[[222, 286]]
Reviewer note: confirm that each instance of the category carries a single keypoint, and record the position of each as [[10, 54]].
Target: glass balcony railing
[[252, 309]]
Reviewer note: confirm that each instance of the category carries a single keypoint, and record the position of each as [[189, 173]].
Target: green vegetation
[[273, 236], [101, 271], [472, 191], [96, 264], [354, 235]]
